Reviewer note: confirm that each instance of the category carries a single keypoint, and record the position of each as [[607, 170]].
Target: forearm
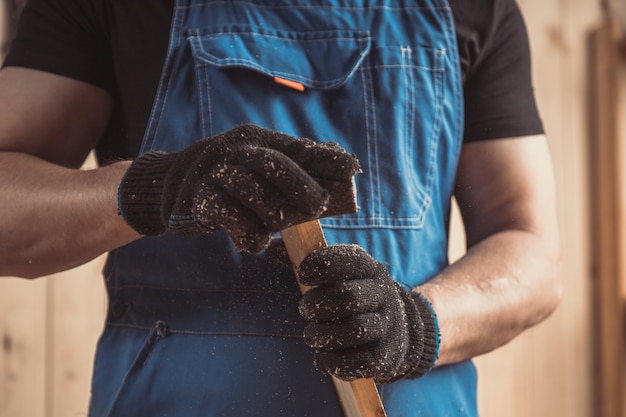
[[55, 218], [502, 286]]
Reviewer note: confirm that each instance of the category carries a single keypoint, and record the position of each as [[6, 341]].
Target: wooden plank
[[545, 344], [76, 313], [513, 380], [572, 163], [358, 398], [547, 370], [562, 345], [23, 350], [605, 151]]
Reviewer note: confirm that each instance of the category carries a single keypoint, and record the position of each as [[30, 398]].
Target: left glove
[[249, 180], [363, 324]]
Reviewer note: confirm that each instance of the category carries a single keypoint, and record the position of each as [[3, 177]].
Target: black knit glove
[[362, 323], [252, 181]]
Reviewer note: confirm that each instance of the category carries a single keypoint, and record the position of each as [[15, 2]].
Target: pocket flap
[[322, 60]]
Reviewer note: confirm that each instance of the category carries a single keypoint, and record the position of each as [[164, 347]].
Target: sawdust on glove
[[252, 181], [362, 323]]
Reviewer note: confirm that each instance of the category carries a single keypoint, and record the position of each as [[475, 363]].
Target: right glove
[[252, 181], [362, 323]]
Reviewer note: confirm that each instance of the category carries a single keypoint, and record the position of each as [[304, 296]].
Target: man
[[202, 323]]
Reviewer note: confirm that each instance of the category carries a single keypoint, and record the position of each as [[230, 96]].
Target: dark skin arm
[[55, 216], [509, 280]]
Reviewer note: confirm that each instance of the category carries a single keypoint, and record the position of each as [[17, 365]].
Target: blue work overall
[[197, 329]]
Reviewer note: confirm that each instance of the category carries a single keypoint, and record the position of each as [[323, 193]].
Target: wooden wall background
[[49, 327]]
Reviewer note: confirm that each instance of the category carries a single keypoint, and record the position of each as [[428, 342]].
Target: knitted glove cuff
[[431, 337], [423, 339], [141, 190]]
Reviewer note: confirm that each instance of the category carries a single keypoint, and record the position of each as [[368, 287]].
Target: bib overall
[[195, 328]]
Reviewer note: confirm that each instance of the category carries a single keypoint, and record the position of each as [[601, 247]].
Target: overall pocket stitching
[[435, 134], [135, 366], [360, 39], [203, 83], [409, 80], [378, 218], [369, 108], [421, 187]]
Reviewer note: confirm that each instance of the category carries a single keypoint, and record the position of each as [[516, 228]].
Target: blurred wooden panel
[[49, 328], [547, 370], [571, 151], [607, 152], [76, 307], [24, 349], [541, 352], [563, 382]]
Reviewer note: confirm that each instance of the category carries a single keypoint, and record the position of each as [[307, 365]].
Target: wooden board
[[547, 371], [23, 384], [358, 398], [608, 219]]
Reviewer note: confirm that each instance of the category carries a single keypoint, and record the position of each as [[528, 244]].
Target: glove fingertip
[[250, 244], [335, 263]]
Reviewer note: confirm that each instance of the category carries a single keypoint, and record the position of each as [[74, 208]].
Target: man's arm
[[509, 279], [52, 215]]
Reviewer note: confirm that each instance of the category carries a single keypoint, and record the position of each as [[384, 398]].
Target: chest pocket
[[381, 102]]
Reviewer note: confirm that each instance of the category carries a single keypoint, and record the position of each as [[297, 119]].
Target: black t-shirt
[[103, 42]]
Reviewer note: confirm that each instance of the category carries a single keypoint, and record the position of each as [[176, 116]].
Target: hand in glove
[[252, 181], [363, 324]]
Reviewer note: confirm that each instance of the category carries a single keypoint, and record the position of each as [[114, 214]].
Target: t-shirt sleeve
[[499, 95], [64, 37]]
